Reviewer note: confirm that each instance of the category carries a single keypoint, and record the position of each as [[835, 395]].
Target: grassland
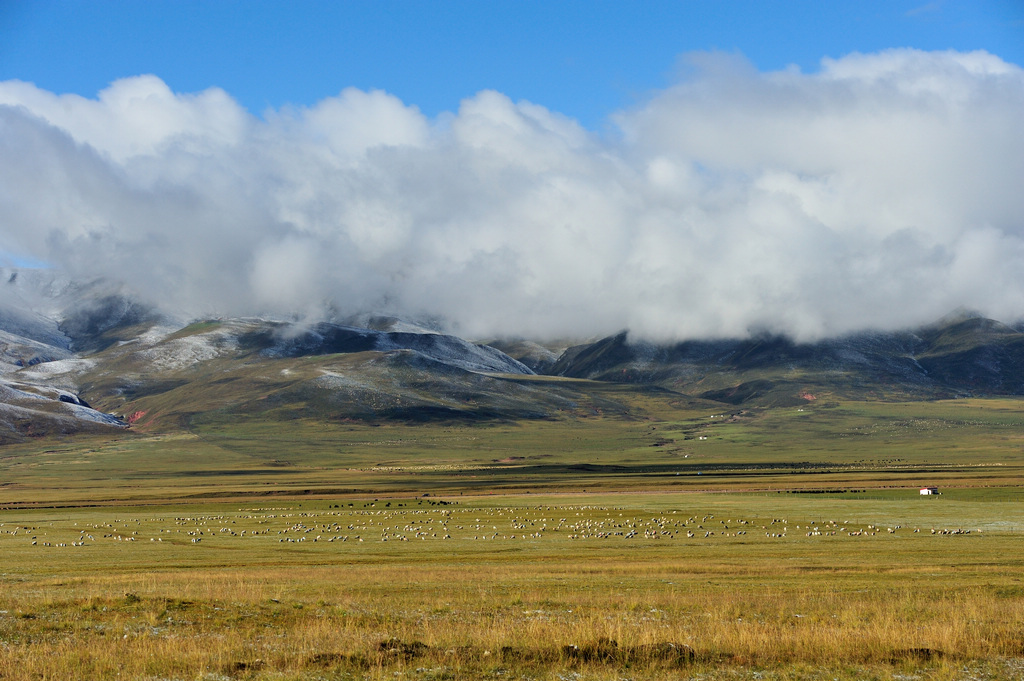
[[656, 541]]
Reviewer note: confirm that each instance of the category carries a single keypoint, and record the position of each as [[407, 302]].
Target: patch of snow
[[21, 400], [386, 324], [38, 392], [156, 333], [67, 413], [454, 352], [88, 414], [18, 350], [22, 318], [335, 381], [182, 353], [399, 326], [45, 370], [9, 393], [19, 411]]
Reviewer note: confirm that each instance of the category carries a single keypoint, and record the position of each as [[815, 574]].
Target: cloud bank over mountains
[[882, 191]]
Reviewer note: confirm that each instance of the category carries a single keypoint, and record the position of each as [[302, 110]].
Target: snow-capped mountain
[[79, 357]]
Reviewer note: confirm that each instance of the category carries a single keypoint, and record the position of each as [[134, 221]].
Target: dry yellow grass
[[566, 604]]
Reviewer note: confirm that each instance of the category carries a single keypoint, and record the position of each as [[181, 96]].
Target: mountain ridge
[[71, 346]]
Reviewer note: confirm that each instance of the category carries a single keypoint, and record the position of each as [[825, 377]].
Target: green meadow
[[666, 540]]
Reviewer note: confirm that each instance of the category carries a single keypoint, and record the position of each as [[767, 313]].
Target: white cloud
[[882, 191], [135, 116]]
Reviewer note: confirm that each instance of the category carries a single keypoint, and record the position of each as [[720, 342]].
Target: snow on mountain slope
[[83, 413], [182, 353], [61, 373], [34, 410], [17, 351], [391, 324], [163, 350], [293, 340], [60, 339], [453, 351], [32, 326]]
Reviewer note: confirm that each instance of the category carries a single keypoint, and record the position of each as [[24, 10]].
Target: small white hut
[[929, 490]]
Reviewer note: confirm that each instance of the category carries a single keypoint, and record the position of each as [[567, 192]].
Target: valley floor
[[583, 587], [777, 545]]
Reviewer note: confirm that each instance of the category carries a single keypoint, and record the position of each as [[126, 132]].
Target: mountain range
[[88, 357]]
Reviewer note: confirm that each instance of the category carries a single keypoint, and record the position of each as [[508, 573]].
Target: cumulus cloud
[[882, 191]]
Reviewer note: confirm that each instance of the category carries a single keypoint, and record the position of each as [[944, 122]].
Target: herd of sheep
[[411, 522]]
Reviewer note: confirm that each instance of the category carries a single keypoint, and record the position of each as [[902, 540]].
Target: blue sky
[[582, 59]]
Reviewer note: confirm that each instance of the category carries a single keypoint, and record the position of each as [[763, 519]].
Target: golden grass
[[476, 621], [561, 605], [330, 563]]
